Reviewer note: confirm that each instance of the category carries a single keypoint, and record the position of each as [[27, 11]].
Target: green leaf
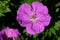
[[1, 14], [26, 39], [24, 31], [58, 16], [22, 37], [28, 34], [40, 0], [43, 38], [49, 34], [52, 30], [30, 1], [4, 7], [58, 38], [57, 25], [34, 36], [57, 9], [46, 32]]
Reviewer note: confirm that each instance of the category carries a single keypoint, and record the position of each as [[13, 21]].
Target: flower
[[35, 17], [10, 33], [1, 36]]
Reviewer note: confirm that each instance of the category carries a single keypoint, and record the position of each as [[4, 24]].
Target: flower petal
[[25, 8], [46, 23], [42, 17], [45, 19], [23, 12], [38, 27], [39, 7], [10, 33], [23, 23], [29, 30], [22, 16]]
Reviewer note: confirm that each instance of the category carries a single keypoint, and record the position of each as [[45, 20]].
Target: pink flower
[[34, 17], [11, 33], [1, 36]]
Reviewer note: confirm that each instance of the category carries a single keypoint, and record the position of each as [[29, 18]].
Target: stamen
[[33, 17]]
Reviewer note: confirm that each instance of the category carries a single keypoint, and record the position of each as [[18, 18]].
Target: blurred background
[[8, 13]]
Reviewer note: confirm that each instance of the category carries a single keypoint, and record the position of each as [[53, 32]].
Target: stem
[[13, 38]]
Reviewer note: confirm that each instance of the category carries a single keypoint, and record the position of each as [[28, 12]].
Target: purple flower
[[10, 33], [1, 36], [35, 17]]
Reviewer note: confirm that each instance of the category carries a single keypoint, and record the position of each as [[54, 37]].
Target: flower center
[[33, 18]]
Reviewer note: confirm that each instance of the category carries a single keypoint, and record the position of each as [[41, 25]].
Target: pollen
[[33, 17]]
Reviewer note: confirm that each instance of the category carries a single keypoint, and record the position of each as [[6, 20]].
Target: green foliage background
[[8, 10]]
